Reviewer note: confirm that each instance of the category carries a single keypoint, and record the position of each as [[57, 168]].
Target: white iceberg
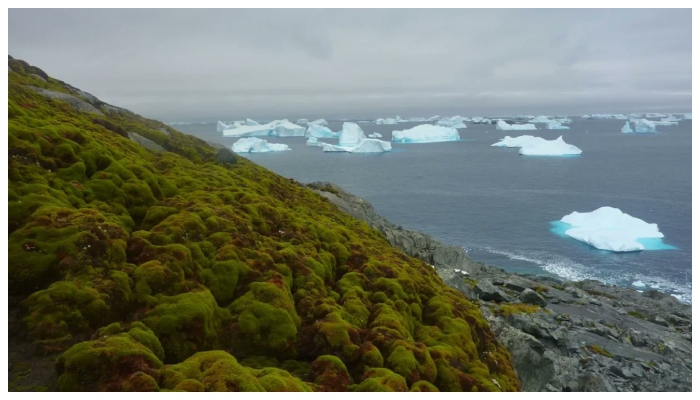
[[319, 131], [222, 126], [655, 115], [519, 141], [274, 128], [537, 146], [251, 122], [313, 142], [553, 124], [688, 116], [563, 120], [542, 119], [502, 125], [256, 145], [626, 128], [375, 135], [425, 134], [605, 116], [365, 146], [480, 120], [302, 121], [456, 122], [642, 126], [608, 228], [556, 147], [321, 122], [353, 140]]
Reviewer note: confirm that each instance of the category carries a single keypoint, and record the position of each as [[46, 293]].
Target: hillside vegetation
[[170, 265]]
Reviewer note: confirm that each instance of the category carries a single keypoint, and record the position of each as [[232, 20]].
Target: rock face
[[562, 336], [74, 101]]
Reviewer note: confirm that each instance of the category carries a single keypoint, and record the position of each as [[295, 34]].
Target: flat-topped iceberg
[[537, 146], [608, 228], [556, 147], [274, 128], [321, 122], [554, 124], [502, 125], [320, 131], [425, 134], [256, 145], [353, 140]]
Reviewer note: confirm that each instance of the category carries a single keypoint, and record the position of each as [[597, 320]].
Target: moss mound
[[159, 269]]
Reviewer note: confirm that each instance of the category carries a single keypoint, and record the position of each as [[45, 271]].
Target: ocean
[[499, 206]]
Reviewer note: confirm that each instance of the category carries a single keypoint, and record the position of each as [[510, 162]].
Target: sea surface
[[499, 206]]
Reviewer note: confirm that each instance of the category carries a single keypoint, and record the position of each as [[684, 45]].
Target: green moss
[[423, 386], [213, 253], [330, 374], [505, 310], [636, 314]]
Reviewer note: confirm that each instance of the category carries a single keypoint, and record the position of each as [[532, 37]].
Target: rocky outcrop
[[145, 142], [562, 336], [74, 101]]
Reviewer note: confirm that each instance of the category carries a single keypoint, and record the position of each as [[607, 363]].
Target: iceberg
[[606, 116], [626, 128], [537, 146], [608, 228], [313, 142], [365, 146], [250, 122], [655, 115], [480, 120], [542, 119], [640, 126], [519, 141], [274, 128], [256, 145], [556, 147], [456, 122], [688, 116], [222, 126], [375, 135], [504, 126], [553, 124], [321, 122], [425, 134], [302, 121], [353, 140], [319, 131]]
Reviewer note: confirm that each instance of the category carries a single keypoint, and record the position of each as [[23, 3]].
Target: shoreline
[[562, 335]]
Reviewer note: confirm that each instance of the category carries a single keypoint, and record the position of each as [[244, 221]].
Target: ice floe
[[537, 146], [554, 124]]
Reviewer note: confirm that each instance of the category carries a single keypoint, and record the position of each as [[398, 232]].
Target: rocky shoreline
[[563, 336]]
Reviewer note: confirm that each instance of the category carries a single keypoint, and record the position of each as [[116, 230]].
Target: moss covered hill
[[142, 259]]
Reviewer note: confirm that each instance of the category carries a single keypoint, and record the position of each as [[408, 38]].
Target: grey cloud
[[206, 64]]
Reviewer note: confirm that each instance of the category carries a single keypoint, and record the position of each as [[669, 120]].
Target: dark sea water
[[499, 205]]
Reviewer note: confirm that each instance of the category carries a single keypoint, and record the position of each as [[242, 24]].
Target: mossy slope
[[185, 269]]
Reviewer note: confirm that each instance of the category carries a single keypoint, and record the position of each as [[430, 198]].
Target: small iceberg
[[542, 119], [480, 120], [319, 131], [256, 145], [537, 146], [502, 125], [313, 142], [688, 116], [425, 134], [608, 228], [375, 135], [280, 128], [456, 122], [353, 140], [321, 122], [554, 124], [389, 121], [635, 125]]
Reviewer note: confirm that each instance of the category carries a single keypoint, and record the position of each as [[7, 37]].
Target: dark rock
[[145, 142], [659, 321], [529, 296], [594, 383], [486, 291], [226, 157], [74, 101]]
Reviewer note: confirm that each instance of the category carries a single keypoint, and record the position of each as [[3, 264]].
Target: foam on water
[[568, 269]]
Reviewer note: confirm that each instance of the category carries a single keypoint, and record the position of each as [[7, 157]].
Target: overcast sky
[[184, 65]]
